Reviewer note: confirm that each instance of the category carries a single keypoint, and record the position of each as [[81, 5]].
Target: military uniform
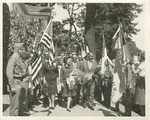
[[14, 73]]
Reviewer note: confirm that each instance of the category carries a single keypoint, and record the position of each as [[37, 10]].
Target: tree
[[75, 39], [60, 37], [6, 30], [108, 16], [90, 26], [24, 29], [133, 49], [104, 18]]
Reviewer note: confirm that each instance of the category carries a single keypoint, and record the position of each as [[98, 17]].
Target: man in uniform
[[88, 66], [15, 76]]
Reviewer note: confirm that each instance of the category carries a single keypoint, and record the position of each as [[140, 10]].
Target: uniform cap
[[18, 45], [91, 55]]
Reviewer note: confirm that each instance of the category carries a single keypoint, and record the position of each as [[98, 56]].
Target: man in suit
[[88, 66], [76, 62]]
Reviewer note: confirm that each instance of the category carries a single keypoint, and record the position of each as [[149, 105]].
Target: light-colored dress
[[64, 74], [140, 86]]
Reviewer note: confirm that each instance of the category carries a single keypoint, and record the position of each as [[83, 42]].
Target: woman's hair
[[66, 59], [35, 55], [142, 56]]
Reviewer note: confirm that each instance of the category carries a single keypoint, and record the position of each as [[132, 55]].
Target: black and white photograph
[[80, 59]]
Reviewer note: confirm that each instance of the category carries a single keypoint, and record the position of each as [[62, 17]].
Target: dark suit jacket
[[78, 65], [85, 68]]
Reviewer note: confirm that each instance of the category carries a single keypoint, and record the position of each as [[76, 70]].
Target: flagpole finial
[[120, 24], [119, 20]]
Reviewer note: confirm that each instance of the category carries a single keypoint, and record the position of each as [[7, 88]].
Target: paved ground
[[78, 110]]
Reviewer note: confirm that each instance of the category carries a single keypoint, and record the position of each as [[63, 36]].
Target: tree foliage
[[108, 16], [24, 29], [75, 40]]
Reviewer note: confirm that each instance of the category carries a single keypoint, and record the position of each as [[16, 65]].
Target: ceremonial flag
[[48, 43], [85, 51], [47, 40], [104, 55], [121, 76], [36, 66]]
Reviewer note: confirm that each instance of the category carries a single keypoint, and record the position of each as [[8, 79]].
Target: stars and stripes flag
[[121, 75], [47, 41], [36, 66]]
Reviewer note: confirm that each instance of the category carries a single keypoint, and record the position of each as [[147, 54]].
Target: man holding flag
[[107, 74], [122, 72]]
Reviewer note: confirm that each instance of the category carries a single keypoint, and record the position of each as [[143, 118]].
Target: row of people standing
[[87, 66], [19, 79]]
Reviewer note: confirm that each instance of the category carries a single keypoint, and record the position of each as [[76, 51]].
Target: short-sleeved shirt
[[142, 68], [14, 68]]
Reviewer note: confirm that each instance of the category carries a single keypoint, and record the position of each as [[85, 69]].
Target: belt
[[19, 78]]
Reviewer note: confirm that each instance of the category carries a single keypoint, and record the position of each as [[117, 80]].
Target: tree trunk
[[90, 27], [6, 30]]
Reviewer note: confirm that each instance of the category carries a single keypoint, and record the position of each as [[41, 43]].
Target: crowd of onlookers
[[53, 86]]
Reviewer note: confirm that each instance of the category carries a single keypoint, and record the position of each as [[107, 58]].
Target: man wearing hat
[[15, 74], [88, 66]]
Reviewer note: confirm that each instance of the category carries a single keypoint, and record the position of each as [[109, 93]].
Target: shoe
[[31, 111], [115, 109], [84, 105], [91, 107], [108, 107], [68, 110], [125, 114], [93, 104], [27, 112], [52, 108], [77, 103]]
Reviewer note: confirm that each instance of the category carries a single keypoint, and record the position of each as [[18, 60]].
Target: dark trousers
[[76, 98], [78, 93], [88, 93], [85, 93], [128, 102], [107, 94], [98, 90], [91, 93]]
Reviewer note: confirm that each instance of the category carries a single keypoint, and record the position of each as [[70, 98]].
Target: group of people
[[53, 81]]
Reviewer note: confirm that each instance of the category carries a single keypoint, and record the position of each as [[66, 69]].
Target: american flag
[[47, 41], [36, 66]]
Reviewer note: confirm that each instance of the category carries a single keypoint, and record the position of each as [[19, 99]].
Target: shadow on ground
[[106, 113]]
